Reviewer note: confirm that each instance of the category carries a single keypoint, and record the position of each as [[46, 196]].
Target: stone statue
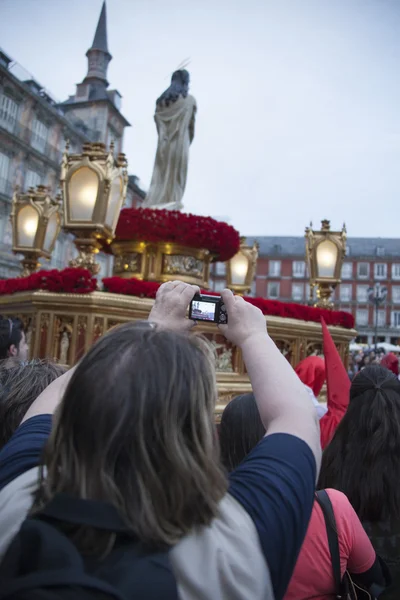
[[64, 347], [175, 119]]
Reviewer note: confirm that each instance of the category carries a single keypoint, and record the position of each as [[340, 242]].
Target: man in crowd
[[13, 343]]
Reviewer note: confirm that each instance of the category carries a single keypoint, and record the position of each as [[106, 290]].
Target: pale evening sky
[[298, 100]]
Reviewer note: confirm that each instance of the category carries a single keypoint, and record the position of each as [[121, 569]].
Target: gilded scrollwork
[[129, 262]]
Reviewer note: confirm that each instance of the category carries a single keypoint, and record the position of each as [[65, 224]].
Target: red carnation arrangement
[[148, 289], [153, 225], [69, 281]]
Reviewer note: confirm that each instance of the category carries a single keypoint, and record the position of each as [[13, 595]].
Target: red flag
[[338, 388]]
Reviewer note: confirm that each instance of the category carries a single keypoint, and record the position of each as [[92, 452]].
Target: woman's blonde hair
[[136, 429]]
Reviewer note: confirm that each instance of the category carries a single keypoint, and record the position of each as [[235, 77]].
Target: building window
[[299, 268], [4, 170], [396, 319], [380, 270], [347, 270], [381, 318], [362, 316], [345, 292], [363, 270], [380, 251], [219, 285], [253, 289], [32, 179], [362, 293], [274, 268], [273, 290], [396, 271], [40, 133], [220, 268], [8, 112], [396, 294], [297, 291]]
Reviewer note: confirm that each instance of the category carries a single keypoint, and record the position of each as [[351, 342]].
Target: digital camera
[[208, 308]]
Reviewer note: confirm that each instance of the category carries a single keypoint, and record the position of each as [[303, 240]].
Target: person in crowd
[[311, 371], [133, 458], [390, 361], [20, 385], [13, 343], [363, 462], [241, 429]]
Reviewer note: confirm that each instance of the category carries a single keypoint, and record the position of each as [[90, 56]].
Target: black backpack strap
[[331, 530]]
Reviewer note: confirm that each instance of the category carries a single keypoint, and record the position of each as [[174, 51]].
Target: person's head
[[179, 88], [136, 429], [391, 362], [240, 430], [363, 458], [12, 339], [311, 371], [20, 385]]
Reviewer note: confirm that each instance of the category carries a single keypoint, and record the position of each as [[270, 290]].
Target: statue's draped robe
[[175, 126]]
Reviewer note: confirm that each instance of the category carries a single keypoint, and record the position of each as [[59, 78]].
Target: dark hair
[[363, 458], [179, 87], [19, 387], [240, 430], [11, 331], [136, 429]]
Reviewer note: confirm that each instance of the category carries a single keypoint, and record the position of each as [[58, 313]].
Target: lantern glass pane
[[239, 268], [114, 202], [327, 255], [82, 191], [51, 232], [27, 224]]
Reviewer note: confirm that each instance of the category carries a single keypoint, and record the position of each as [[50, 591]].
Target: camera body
[[208, 308]]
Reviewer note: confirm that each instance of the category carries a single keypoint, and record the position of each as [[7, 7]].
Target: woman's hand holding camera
[[170, 307], [244, 320]]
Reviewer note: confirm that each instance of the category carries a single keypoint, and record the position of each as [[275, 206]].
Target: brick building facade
[[282, 275]]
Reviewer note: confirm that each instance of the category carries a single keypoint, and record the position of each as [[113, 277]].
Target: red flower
[[70, 281], [148, 225], [148, 289]]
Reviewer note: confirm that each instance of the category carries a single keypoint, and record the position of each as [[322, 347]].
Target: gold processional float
[[150, 247]]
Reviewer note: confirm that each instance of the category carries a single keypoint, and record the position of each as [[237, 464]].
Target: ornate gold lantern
[[325, 251], [241, 268], [94, 186], [36, 222]]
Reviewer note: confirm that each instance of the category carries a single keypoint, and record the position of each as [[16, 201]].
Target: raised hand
[[171, 304]]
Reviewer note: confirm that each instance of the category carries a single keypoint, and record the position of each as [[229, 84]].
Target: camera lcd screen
[[203, 311]]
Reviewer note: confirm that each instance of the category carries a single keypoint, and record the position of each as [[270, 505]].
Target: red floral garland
[[194, 231], [70, 280], [148, 289]]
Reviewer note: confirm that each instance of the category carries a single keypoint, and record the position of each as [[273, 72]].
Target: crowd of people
[[359, 359], [115, 481]]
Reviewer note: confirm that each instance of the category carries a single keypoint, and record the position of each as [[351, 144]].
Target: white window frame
[[396, 267], [274, 268], [219, 285], [396, 294], [4, 171], [377, 268], [9, 110], [220, 268], [299, 269], [395, 319], [362, 294], [298, 296], [362, 312], [348, 288], [32, 179], [270, 285], [349, 267], [381, 318], [40, 134], [359, 276]]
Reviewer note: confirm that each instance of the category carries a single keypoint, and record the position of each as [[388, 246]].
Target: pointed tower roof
[[100, 37]]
